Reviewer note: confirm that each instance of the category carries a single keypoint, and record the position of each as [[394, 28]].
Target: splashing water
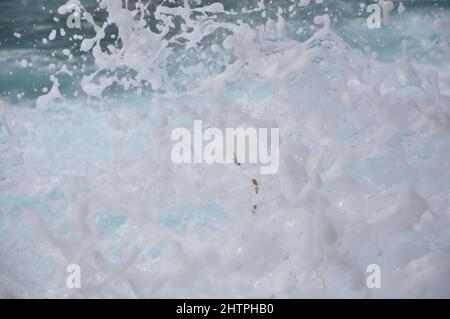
[[86, 175]]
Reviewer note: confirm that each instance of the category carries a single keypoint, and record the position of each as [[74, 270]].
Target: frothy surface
[[86, 175]]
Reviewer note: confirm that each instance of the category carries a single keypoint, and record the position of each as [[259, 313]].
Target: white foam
[[364, 170]]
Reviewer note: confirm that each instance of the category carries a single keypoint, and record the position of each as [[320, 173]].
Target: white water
[[364, 173]]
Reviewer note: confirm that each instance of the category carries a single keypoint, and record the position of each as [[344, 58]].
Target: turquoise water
[[85, 170]]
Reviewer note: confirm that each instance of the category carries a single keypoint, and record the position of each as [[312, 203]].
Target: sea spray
[[363, 176]]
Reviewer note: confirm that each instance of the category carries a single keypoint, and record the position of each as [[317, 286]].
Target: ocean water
[[86, 177]]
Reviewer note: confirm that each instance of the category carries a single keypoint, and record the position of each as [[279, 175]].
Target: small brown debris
[[255, 183], [236, 161]]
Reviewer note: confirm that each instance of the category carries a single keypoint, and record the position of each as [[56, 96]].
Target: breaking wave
[[86, 176]]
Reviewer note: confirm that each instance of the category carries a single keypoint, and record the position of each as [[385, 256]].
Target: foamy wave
[[364, 170]]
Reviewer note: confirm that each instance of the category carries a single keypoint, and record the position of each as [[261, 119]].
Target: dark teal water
[[24, 24]]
